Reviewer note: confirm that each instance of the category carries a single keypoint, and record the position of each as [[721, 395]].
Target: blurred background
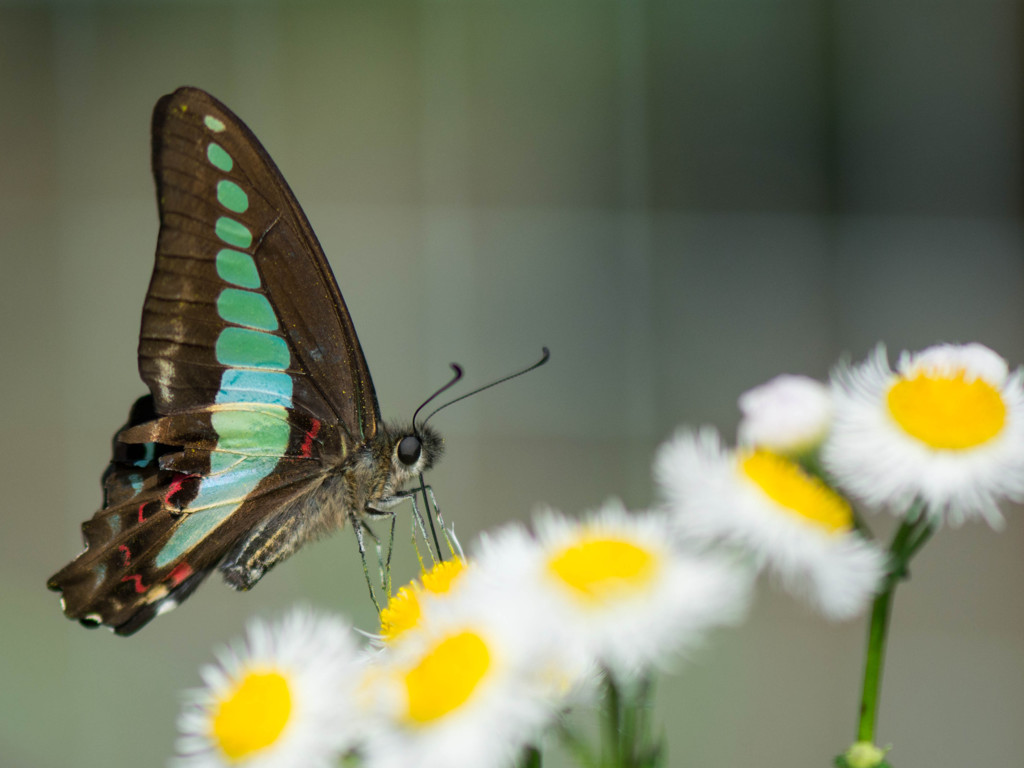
[[681, 199]]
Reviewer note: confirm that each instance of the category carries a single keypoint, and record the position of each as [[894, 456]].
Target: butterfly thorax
[[375, 472]]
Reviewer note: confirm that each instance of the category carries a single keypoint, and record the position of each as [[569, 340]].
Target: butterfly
[[262, 429]]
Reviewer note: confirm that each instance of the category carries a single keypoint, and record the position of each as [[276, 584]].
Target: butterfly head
[[418, 450]]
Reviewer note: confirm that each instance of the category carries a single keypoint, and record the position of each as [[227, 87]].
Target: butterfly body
[[262, 428], [364, 484]]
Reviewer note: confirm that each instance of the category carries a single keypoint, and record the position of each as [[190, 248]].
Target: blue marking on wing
[[241, 385], [236, 467], [219, 495], [148, 457]]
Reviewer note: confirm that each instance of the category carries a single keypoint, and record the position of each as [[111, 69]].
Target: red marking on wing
[[142, 506], [180, 572], [175, 486], [307, 443], [126, 554], [137, 578]]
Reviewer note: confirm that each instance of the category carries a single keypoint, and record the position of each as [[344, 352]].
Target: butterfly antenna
[[458, 375], [544, 358]]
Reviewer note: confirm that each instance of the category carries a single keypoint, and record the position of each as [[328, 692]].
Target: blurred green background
[[681, 199]]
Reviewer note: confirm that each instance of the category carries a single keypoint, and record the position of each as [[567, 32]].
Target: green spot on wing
[[245, 348], [250, 442], [233, 232], [246, 308], [232, 197], [215, 154], [213, 123], [238, 268], [255, 431]]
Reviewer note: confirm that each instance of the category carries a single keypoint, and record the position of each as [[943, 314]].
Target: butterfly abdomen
[[321, 509]]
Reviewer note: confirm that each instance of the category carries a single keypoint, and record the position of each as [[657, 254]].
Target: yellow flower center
[[789, 486], [599, 569], [401, 613], [403, 609], [440, 578], [947, 412], [446, 676], [252, 715]]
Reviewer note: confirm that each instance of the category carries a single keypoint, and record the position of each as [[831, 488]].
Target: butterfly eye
[[409, 450]]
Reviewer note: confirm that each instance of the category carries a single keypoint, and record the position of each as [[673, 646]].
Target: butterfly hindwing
[[105, 584], [172, 514]]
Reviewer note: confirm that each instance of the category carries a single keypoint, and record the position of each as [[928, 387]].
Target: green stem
[[627, 741], [873, 664], [633, 742], [919, 540], [531, 758], [613, 724], [913, 534], [644, 705]]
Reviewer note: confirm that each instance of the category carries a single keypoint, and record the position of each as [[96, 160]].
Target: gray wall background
[[682, 199]]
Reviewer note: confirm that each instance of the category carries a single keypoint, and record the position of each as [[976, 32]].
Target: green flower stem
[[912, 535], [613, 721], [531, 758], [626, 729], [920, 540], [635, 724], [628, 740], [873, 664]]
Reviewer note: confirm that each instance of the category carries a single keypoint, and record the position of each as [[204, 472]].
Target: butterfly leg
[[432, 514], [383, 571], [440, 521], [383, 506], [391, 549], [358, 526]]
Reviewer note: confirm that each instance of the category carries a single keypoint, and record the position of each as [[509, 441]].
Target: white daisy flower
[[459, 687], [788, 415], [283, 697], [947, 427], [791, 521], [613, 590]]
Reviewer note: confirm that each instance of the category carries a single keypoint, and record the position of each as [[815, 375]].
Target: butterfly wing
[[236, 250], [257, 378]]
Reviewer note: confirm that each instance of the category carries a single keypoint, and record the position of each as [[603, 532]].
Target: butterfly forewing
[[240, 281]]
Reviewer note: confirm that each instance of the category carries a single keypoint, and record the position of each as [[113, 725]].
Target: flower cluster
[[941, 438], [475, 659], [478, 658]]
